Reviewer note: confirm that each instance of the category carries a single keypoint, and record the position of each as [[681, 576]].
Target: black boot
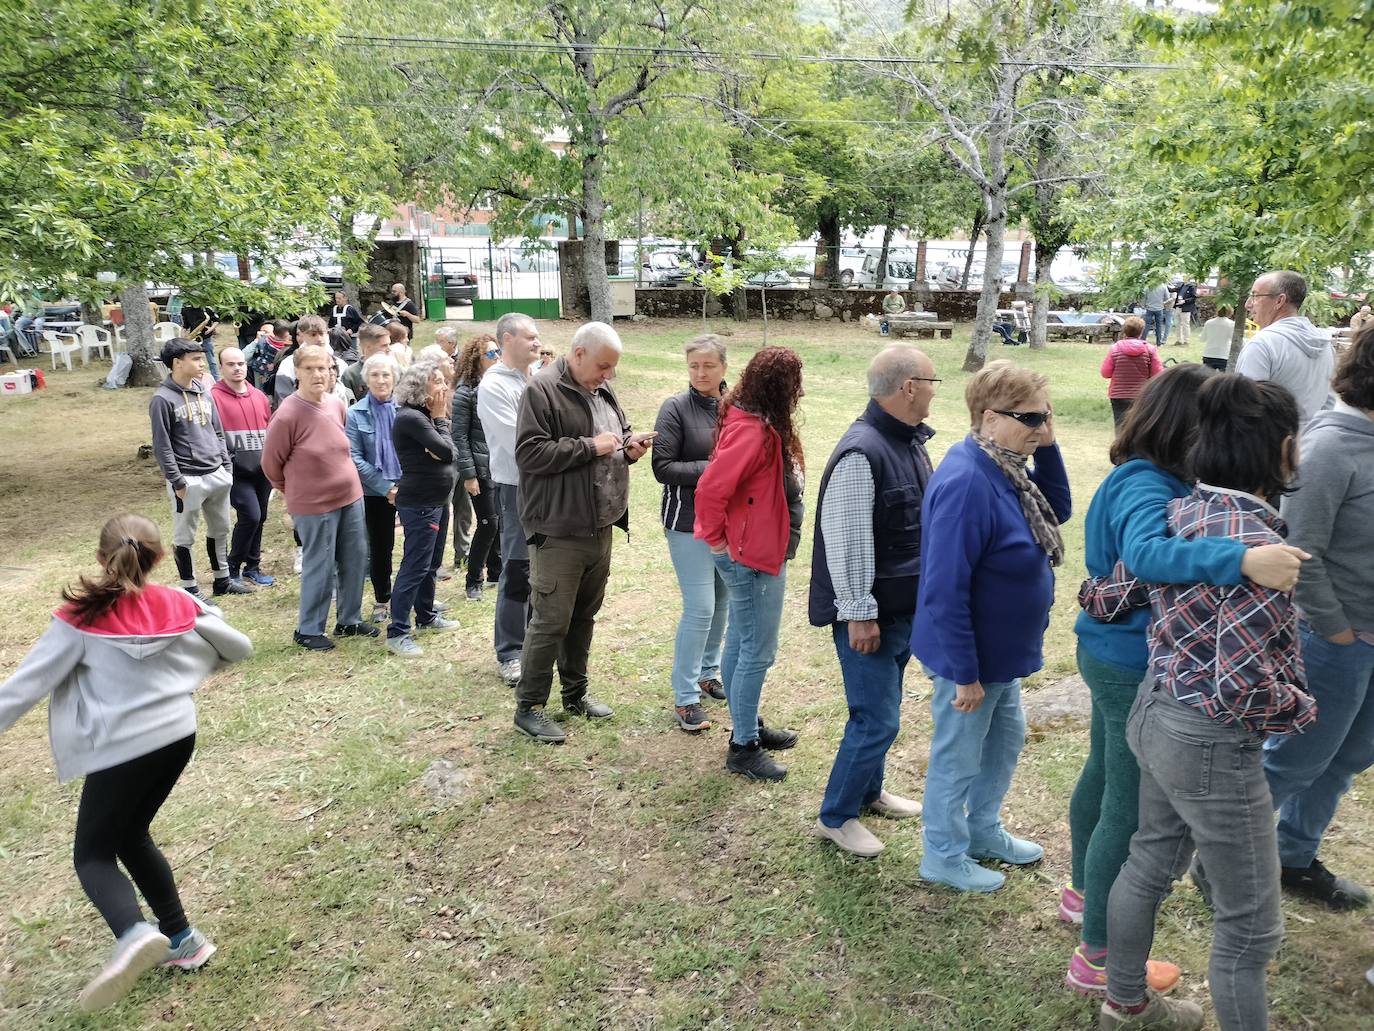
[[776, 740], [1318, 883], [753, 762]]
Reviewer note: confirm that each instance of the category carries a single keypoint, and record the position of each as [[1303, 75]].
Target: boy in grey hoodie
[[1288, 349], [188, 442], [118, 663], [1331, 516]]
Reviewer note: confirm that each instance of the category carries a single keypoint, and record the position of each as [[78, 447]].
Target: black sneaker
[[355, 630], [589, 707], [776, 740], [692, 718], [537, 725], [753, 762], [712, 688], [232, 585], [315, 642], [1318, 883]]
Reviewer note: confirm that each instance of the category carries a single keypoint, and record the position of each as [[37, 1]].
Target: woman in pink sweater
[[306, 457], [1130, 364]]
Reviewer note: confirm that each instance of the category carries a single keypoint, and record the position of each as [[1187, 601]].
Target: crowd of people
[[1226, 637]]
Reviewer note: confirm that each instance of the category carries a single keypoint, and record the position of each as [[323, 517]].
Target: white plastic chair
[[57, 348], [118, 329], [165, 331], [93, 338]]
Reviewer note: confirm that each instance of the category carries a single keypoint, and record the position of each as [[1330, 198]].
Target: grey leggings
[[1202, 787]]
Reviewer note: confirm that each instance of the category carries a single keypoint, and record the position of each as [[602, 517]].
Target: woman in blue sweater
[[990, 537], [1127, 523]]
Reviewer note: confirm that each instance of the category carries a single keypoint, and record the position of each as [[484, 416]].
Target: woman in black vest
[[686, 428]]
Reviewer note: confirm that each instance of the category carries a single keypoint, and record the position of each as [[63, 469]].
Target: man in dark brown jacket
[[573, 447]]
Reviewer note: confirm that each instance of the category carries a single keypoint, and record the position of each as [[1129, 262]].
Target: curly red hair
[[770, 388]]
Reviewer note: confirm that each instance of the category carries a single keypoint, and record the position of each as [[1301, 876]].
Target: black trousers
[[484, 555], [117, 808], [379, 515], [1120, 406], [249, 497], [1215, 363]]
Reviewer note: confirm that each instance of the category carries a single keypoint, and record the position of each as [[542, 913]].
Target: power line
[[507, 46]]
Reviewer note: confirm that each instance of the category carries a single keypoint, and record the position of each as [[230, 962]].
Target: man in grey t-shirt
[[1157, 298]]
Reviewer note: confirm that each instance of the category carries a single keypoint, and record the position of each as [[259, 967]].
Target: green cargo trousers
[[567, 586]]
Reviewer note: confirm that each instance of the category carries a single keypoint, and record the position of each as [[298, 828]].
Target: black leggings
[[485, 553], [379, 515], [117, 808], [249, 497]]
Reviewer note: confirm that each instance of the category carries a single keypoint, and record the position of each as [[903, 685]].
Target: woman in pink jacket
[[1130, 364]]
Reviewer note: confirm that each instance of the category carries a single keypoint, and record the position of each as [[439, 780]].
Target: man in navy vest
[[865, 565]]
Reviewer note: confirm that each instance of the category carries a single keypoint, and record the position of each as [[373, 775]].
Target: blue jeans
[[1155, 320], [330, 540], [873, 689], [972, 758], [1309, 772], [426, 530], [696, 651], [751, 642], [1202, 788]]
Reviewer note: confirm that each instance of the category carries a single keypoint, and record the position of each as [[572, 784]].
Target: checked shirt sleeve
[[847, 528], [1259, 675]]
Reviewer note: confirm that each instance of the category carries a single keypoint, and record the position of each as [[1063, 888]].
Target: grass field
[[620, 881]]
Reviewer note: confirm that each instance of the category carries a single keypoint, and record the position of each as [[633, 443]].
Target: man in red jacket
[[243, 412]]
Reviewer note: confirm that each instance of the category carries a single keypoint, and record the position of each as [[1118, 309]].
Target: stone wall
[[572, 282], [392, 261], [819, 303]]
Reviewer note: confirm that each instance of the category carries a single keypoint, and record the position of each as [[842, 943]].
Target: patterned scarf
[[1044, 527], [383, 419]]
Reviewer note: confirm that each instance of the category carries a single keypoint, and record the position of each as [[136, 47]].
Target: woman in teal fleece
[[1126, 523]]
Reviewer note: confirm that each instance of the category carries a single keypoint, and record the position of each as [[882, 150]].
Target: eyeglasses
[[495, 352], [1030, 420], [923, 379], [545, 354], [1254, 295]]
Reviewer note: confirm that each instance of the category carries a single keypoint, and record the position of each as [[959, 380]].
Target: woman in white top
[[1216, 340]]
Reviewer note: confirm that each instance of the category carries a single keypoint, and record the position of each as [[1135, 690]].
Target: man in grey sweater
[[188, 442], [1288, 349], [1331, 516]]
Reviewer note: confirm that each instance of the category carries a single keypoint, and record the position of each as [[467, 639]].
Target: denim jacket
[[362, 445]]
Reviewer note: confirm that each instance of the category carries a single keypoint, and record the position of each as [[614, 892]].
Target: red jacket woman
[[741, 500]]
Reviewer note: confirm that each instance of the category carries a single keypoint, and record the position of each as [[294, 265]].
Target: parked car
[[770, 280], [851, 262], [664, 268], [460, 282], [901, 272], [534, 257]]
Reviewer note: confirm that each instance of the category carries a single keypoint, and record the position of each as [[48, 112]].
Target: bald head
[[233, 368], [900, 381], [593, 354]]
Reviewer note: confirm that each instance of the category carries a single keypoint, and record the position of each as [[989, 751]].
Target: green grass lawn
[[622, 880]]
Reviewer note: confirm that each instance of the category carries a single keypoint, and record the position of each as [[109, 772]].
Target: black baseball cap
[[178, 348]]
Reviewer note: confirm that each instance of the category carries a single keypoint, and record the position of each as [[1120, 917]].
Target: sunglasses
[[1030, 420], [545, 354], [495, 352]]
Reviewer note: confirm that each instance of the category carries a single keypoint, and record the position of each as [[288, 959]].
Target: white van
[[901, 272]]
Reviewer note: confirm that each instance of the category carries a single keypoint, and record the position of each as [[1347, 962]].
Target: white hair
[[376, 361], [433, 353], [595, 335], [413, 388], [445, 333]]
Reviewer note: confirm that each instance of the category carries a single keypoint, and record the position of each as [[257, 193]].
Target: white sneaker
[[137, 951], [510, 672], [895, 807], [298, 561], [853, 837]]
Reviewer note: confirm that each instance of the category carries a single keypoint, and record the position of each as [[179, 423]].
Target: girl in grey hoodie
[[119, 662]]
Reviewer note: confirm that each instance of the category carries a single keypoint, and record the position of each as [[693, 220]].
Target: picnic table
[[925, 326]]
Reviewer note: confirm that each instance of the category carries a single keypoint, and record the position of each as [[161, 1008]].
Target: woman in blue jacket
[[989, 539], [370, 421], [1127, 523]]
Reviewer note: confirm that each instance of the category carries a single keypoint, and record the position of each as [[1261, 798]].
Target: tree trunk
[[763, 303], [992, 288], [90, 313], [887, 245], [1243, 284], [594, 235], [138, 335], [978, 224], [348, 246], [828, 225], [1040, 311]]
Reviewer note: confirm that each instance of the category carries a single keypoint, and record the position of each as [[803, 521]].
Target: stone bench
[[922, 328], [1091, 332]]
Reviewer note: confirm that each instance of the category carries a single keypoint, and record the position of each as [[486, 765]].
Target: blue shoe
[[1004, 848], [137, 951], [258, 577], [961, 874]]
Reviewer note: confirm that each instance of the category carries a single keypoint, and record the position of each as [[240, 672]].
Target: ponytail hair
[[130, 546], [1241, 429]]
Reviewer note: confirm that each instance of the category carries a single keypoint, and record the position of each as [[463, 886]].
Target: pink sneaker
[[1071, 905], [1091, 978]]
